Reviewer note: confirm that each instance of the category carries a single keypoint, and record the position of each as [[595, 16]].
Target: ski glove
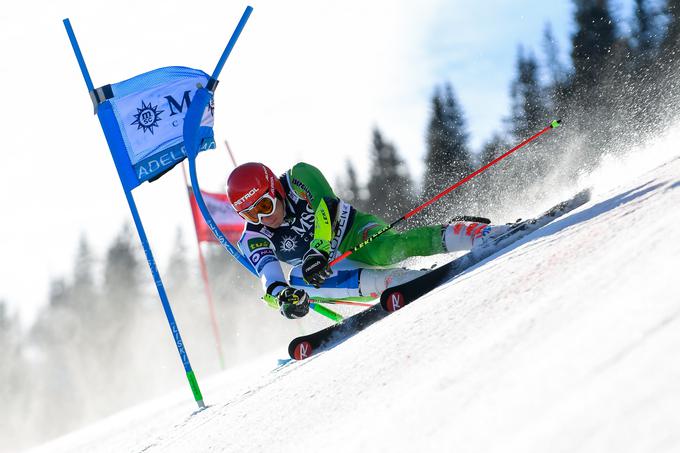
[[315, 268], [293, 302]]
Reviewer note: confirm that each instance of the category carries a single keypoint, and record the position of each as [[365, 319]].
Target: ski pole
[[327, 312], [343, 302], [553, 125]]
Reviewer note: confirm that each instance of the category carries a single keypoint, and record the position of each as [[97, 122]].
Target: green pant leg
[[390, 247]]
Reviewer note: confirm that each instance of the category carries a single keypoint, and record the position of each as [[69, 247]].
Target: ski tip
[[555, 124], [394, 301], [303, 350]]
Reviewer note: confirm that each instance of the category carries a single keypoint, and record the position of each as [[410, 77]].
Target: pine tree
[[667, 64], [557, 74], [180, 278], [122, 279], [489, 186], [83, 290], [670, 45], [349, 189], [645, 32], [390, 187], [592, 43], [642, 70], [4, 322], [56, 335], [448, 158], [82, 271], [591, 96], [16, 394], [529, 110], [9, 336], [59, 293]]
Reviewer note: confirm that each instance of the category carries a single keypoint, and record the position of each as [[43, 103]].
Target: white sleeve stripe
[[272, 272]]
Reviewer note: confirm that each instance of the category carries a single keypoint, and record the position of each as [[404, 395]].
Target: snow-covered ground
[[568, 341]]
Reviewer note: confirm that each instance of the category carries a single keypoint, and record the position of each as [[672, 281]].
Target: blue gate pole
[[232, 42], [191, 377], [192, 122], [193, 383]]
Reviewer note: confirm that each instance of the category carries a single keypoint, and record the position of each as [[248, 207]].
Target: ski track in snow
[[566, 341]]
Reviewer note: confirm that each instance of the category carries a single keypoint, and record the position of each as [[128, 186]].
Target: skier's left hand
[[315, 268], [293, 302]]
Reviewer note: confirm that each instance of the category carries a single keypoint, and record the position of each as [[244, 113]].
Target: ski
[[399, 296], [470, 218], [392, 299], [303, 347]]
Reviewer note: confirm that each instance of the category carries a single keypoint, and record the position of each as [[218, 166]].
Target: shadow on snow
[[562, 223]]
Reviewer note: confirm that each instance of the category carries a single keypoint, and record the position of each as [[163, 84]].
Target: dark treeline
[[617, 88], [102, 343]]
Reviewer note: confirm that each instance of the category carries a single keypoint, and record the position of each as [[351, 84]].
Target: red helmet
[[248, 182]]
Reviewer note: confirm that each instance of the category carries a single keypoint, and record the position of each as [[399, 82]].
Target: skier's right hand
[[293, 302], [315, 268]]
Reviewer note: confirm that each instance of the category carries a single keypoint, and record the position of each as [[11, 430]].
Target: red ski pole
[[553, 125]]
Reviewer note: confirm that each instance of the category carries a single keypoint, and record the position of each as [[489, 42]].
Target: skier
[[298, 219]]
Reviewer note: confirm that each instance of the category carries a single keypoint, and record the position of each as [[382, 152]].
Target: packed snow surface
[[567, 341]]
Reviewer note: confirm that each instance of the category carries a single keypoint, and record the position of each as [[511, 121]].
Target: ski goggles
[[263, 207]]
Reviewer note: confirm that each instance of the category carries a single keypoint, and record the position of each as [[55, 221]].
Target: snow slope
[[567, 341]]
